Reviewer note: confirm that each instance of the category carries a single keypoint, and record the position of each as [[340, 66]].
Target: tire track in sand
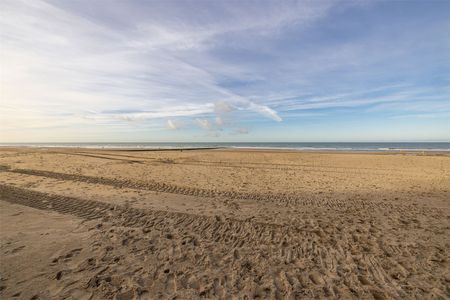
[[284, 199], [216, 228], [244, 257]]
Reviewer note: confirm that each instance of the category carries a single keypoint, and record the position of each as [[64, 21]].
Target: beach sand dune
[[223, 224]]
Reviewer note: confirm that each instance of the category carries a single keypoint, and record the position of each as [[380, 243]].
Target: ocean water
[[373, 146]]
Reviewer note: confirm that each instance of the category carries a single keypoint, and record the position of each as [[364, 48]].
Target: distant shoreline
[[264, 146], [428, 152]]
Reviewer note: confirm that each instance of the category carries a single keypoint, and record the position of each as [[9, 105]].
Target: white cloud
[[221, 107], [172, 125], [164, 61], [74, 64], [219, 121], [266, 111], [203, 123]]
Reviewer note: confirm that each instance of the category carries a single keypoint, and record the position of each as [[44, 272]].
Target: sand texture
[[223, 224]]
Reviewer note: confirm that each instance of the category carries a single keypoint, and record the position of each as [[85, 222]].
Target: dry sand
[[104, 224]]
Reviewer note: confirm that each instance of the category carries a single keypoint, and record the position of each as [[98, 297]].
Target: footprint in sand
[[15, 250], [316, 278]]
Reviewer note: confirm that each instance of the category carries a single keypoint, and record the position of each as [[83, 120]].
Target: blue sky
[[75, 71]]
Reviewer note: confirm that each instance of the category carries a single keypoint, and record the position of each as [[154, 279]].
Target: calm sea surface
[[382, 146]]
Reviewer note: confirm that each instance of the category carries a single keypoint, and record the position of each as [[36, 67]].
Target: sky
[[224, 71]]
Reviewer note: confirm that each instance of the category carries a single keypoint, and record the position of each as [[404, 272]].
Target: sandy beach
[[223, 224]]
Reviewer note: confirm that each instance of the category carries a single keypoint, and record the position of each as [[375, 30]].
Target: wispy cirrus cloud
[[76, 62], [215, 66]]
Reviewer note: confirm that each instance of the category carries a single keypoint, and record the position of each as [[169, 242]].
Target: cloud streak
[[95, 68], [213, 65]]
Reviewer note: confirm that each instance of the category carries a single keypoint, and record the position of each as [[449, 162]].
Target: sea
[[300, 146]]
